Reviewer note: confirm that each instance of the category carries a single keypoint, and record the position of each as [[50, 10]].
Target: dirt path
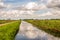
[[29, 32]]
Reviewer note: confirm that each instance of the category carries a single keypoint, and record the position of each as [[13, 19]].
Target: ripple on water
[[29, 32], [23, 37]]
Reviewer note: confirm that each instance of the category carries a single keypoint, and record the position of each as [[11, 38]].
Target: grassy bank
[[9, 30], [49, 26], [6, 21]]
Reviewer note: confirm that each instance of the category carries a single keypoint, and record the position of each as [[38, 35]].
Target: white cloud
[[46, 14], [54, 3], [30, 8], [1, 5], [0, 0], [4, 6], [55, 12], [42, 6], [49, 1], [17, 13], [35, 6], [27, 10], [31, 5]]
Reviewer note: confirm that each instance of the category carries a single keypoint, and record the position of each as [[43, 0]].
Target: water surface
[[28, 32]]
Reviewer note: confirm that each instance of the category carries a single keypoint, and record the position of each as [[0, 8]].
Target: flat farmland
[[50, 26], [9, 29]]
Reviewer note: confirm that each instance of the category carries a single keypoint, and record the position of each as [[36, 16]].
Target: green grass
[[6, 21], [9, 30], [50, 26]]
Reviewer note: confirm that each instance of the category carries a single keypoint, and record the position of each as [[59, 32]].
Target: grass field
[[9, 30], [5, 21], [49, 26]]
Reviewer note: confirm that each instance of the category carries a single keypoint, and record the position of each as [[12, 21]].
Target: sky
[[29, 9]]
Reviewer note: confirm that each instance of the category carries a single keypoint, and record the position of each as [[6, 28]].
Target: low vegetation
[[5, 21], [9, 30], [49, 26]]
